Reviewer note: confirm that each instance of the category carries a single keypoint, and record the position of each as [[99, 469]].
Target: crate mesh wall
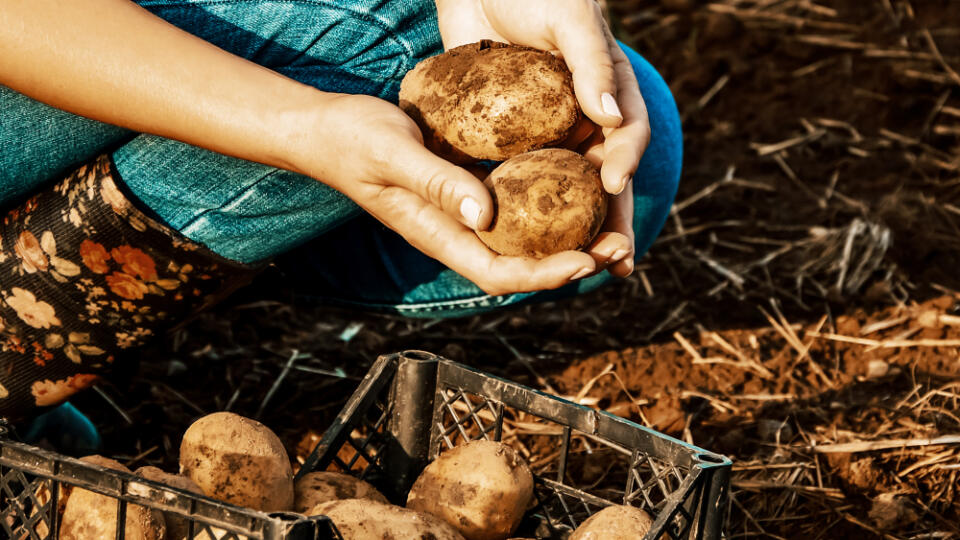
[[27, 505], [361, 453]]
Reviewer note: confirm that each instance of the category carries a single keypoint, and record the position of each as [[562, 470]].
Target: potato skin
[[482, 488], [363, 519], [178, 527], [546, 201], [324, 486], [614, 523], [490, 100], [238, 460], [90, 516]]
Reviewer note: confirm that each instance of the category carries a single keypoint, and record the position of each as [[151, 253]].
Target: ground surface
[[802, 296]]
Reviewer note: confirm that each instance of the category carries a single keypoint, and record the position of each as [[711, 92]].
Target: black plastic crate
[[408, 408]]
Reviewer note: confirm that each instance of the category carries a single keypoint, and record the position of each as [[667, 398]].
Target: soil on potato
[[802, 296]]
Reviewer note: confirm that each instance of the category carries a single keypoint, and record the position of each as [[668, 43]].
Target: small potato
[[490, 100], [178, 528], [238, 460], [90, 516], [614, 523], [546, 201], [363, 519], [320, 487], [482, 488]]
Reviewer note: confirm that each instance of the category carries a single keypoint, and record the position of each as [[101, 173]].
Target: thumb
[[583, 43], [454, 190]]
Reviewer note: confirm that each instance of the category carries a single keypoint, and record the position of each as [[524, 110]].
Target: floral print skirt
[[85, 277]]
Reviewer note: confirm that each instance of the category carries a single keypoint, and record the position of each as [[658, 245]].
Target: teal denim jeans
[[330, 249]]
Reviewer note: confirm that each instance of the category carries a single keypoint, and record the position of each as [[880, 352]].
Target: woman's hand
[[373, 153], [617, 130]]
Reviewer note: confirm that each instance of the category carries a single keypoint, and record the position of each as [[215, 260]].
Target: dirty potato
[[614, 523], [90, 516], [324, 486], [482, 489], [178, 527], [363, 519], [490, 100], [546, 201], [238, 460]]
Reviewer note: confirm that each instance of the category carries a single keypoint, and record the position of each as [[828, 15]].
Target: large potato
[[546, 201], [363, 519], [324, 486], [490, 100], [482, 488], [90, 516], [238, 460], [178, 527], [614, 523]]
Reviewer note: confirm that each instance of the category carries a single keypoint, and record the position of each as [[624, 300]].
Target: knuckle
[[491, 289], [491, 282], [436, 188], [385, 200]]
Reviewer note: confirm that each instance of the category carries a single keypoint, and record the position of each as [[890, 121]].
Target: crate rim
[[703, 458]]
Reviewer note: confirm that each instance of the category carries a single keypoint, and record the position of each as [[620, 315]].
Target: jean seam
[[195, 220], [402, 66], [482, 301]]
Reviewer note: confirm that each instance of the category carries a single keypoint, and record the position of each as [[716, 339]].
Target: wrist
[[298, 125]]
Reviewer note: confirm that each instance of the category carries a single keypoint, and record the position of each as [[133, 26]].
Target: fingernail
[[629, 265], [470, 211], [618, 255], [582, 273], [609, 104]]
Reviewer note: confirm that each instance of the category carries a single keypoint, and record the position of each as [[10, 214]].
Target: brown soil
[[803, 294]]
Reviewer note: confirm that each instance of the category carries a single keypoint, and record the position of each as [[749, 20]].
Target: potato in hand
[[490, 101], [546, 201]]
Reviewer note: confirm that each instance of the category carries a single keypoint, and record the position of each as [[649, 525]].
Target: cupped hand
[[372, 152], [616, 131]]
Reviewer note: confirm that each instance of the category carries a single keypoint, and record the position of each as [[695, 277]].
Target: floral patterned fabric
[[85, 277]]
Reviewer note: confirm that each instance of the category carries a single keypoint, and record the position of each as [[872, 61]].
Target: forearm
[[113, 61]]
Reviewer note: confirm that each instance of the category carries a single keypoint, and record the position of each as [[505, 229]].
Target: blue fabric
[[66, 429], [250, 212]]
